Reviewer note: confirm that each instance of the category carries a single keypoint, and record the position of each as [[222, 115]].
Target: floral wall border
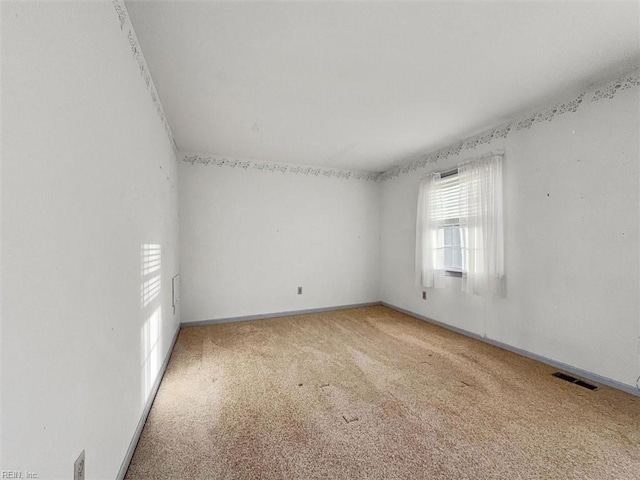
[[307, 170], [136, 51], [607, 91]]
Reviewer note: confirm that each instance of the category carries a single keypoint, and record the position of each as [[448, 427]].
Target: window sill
[[452, 273]]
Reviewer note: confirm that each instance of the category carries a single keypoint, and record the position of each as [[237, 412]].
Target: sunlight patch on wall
[[150, 290], [151, 262], [151, 258], [151, 331], [150, 337]]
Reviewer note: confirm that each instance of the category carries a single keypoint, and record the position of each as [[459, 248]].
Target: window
[[450, 234], [459, 227]]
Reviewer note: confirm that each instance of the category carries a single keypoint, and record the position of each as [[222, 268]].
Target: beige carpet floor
[[372, 393]]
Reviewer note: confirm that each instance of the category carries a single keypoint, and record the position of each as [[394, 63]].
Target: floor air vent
[[570, 379]]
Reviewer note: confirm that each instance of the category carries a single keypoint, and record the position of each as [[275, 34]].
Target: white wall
[[571, 241], [89, 176], [250, 237]]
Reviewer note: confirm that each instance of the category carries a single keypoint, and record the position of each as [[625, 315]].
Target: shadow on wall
[[150, 341]]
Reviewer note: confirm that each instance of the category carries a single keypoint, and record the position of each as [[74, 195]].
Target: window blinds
[[449, 191]]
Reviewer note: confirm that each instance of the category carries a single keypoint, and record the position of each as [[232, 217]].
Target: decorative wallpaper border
[[608, 91], [127, 28], [310, 171]]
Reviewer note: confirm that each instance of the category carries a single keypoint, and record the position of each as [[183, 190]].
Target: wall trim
[[603, 90], [277, 167], [147, 408], [290, 313], [124, 20], [593, 377]]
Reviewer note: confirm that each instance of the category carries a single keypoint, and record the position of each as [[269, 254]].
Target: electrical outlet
[[299, 290], [424, 295], [78, 467]]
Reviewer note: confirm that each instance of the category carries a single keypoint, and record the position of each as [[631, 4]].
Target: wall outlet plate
[[78, 467]]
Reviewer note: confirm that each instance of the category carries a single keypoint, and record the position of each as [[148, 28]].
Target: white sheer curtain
[[483, 223], [429, 256]]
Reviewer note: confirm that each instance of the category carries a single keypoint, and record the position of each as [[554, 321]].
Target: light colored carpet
[[372, 393]]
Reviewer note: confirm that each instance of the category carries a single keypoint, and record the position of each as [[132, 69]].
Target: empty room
[[300, 240]]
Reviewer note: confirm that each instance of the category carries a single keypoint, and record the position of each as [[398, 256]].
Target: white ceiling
[[368, 85]]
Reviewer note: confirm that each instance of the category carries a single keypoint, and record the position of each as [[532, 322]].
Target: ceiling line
[[127, 28], [277, 167], [603, 90]]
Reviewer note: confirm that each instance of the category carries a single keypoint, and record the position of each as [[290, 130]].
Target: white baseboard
[[291, 313], [593, 377], [145, 413]]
